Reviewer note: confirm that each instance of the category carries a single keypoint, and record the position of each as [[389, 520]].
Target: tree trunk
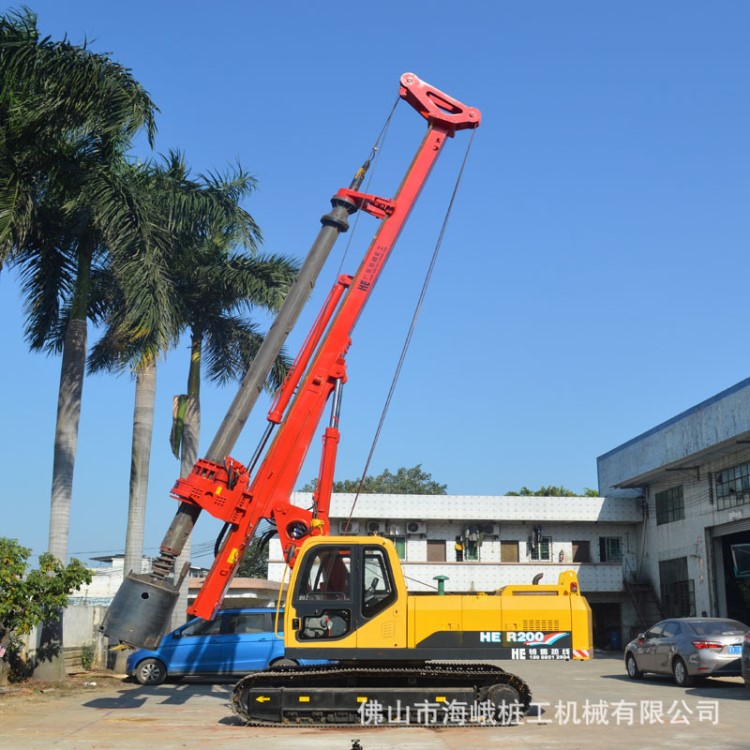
[[66, 436], [69, 397], [188, 456], [4, 659], [143, 428]]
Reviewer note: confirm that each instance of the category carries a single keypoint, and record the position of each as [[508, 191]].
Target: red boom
[[224, 491]]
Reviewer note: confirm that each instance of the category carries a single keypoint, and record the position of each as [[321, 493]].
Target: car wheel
[[150, 672], [632, 666], [680, 673], [284, 663]]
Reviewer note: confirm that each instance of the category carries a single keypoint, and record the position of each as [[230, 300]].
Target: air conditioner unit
[[395, 529], [348, 527], [489, 528], [416, 527], [375, 527]]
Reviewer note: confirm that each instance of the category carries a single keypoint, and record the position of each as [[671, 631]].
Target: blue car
[[235, 642]]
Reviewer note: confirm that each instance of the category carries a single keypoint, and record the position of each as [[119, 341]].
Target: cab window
[[378, 590], [327, 576], [324, 595]]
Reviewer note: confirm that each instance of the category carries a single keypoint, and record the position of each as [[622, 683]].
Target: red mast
[[225, 490]]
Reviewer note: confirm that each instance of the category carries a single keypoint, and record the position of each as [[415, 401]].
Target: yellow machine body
[[347, 600]]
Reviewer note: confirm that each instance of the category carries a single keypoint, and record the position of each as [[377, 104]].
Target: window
[[718, 627], [581, 552], [671, 630], [327, 575], [680, 600], [610, 549], [324, 594], [733, 487], [378, 590], [670, 506], [436, 550], [741, 560], [244, 622], [677, 590], [203, 627], [400, 544], [543, 550], [508, 551], [472, 542], [471, 549]]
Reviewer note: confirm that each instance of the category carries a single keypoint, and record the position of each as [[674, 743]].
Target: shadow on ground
[[136, 697]]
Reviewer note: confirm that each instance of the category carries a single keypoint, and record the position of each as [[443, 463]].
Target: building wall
[[717, 421], [498, 519], [690, 453], [489, 573], [693, 536]]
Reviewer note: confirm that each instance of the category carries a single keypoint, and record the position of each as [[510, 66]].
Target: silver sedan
[[688, 648]]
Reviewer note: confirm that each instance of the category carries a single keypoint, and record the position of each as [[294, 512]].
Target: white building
[[242, 592], [506, 540], [106, 580], [669, 536], [692, 476]]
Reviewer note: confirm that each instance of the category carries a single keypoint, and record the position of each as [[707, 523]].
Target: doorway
[[736, 579], [607, 625]]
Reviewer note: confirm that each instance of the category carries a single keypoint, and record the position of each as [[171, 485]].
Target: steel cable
[[412, 326]]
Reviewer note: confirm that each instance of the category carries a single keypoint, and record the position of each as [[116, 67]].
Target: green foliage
[[413, 481], [551, 491], [87, 657], [67, 119], [30, 598], [255, 561]]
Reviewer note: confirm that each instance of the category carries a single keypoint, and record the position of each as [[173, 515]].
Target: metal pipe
[[338, 391], [334, 223]]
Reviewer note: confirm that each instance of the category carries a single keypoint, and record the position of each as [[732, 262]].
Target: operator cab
[[339, 588]]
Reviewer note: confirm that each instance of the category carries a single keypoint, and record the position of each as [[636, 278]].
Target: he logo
[[490, 636]]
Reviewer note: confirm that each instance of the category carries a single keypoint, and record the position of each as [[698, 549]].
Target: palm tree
[[114, 352], [67, 117], [216, 285], [202, 223]]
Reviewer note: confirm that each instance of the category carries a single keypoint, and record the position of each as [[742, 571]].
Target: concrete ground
[[577, 705]]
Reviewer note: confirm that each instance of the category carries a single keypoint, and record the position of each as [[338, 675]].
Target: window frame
[[400, 543], [605, 555], [539, 549], [669, 505], [732, 486], [371, 608]]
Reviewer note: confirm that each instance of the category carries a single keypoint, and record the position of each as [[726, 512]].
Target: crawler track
[[334, 695]]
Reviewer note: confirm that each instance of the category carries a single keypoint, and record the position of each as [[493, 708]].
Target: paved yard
[[577, 705]]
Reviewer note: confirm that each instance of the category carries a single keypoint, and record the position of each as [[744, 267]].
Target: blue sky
[[591, 282]]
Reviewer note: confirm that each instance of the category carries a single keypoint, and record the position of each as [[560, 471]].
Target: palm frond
[[47, 277], [260, 281], [68, 86], [230, 345]]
